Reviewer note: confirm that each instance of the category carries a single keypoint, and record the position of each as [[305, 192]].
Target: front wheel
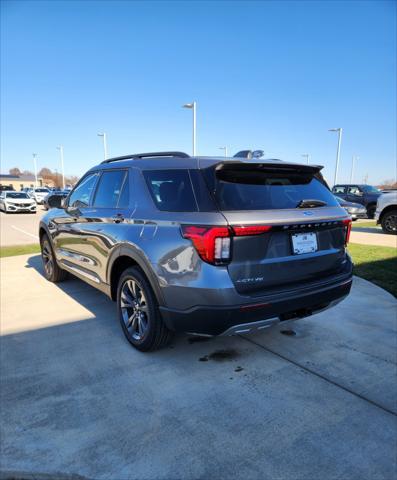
[[52, 272], [389, 222], [139, 313]]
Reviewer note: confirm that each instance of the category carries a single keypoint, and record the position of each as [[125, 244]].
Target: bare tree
[[45, 172], [15, 171]]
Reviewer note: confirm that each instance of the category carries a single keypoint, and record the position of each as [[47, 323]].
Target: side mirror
[[56, 201]]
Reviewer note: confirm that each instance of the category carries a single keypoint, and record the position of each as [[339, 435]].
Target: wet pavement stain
[[223, 355], [198, 339], [289, 333], [220, 356]]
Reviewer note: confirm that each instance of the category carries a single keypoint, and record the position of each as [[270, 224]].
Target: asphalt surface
[[20, 228], [372, 236], [77, 399]]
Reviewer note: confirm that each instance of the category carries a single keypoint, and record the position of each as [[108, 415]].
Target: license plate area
[[304, 243]]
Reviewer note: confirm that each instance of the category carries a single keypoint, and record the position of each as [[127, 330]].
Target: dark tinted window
[[124, 200], [109, 188], [171, 190], [253, 190], [80, 197]]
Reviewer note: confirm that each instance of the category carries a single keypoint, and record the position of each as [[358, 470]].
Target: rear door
[[288, 227], [355, 194]]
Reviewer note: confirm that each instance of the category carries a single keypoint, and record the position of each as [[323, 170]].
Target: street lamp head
[[187, 105], [335, 129], [101, 134]]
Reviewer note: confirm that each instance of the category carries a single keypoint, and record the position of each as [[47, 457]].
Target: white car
[[17, 202], [386, 212], [39, 194]]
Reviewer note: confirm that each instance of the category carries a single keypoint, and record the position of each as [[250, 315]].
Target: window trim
[[101, 173]]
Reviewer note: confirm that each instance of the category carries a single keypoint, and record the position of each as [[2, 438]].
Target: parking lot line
[[23, 231]]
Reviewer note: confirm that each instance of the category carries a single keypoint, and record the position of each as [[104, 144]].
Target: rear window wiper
[[311, 203]]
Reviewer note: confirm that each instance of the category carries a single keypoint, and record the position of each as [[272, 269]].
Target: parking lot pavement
[[20, 228], [372, 236], [77, 399]]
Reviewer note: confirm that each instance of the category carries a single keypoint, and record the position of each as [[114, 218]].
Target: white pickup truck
[[386, 212]]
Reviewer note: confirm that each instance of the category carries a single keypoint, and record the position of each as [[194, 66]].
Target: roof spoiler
[[137, 156], [269, 166]]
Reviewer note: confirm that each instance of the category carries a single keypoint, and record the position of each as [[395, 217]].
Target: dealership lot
[[77, 399]]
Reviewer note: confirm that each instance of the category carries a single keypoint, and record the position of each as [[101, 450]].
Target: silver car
[[209, 246], [16, 202]]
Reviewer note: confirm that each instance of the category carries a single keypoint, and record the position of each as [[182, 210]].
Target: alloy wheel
[[391, 223], [48, 261], [134, 309]]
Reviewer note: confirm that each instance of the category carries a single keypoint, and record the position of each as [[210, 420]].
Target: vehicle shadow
[[101, 306]]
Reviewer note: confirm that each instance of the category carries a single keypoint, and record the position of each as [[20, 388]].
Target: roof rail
[[136, 156]]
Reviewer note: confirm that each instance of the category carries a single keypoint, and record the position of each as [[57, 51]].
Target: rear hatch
[[288, 229]]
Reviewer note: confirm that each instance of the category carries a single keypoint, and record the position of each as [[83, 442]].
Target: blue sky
[[270, 75]]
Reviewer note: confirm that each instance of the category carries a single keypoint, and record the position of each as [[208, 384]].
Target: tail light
[[348, 226], [243, 230], [213, 244]]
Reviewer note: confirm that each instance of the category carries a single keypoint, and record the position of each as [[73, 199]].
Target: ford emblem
[[308, 214]]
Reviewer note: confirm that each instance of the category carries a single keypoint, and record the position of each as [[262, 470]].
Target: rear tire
[[389, 222], [52, 272], [138, 312]]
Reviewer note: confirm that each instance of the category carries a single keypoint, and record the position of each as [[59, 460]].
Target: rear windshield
[[171, 190], [41, 190], [261, 190]]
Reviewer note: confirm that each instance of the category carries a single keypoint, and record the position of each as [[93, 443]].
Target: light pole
[[193, 106], [339, 130], [224, 150], [105, 147], [35, 167], [60, 148], [354, 158], [307, 156]]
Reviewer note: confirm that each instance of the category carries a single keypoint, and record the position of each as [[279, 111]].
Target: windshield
[[16, 195], [370, 189], [41, 190]]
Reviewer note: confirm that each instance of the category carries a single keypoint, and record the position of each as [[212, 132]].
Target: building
[[17, 182]]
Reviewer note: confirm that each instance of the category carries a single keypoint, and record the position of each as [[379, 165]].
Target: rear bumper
[[214, 320]]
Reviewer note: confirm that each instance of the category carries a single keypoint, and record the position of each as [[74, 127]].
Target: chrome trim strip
[[250, 327], [83, 273]]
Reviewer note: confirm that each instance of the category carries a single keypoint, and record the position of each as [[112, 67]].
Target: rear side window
[[337, 190], [253, 190], [171, 190], [109, 189]]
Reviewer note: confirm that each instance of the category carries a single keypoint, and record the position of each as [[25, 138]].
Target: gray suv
[[208, 246]]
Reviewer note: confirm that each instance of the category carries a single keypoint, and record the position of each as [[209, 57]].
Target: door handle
[[118, 218]]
